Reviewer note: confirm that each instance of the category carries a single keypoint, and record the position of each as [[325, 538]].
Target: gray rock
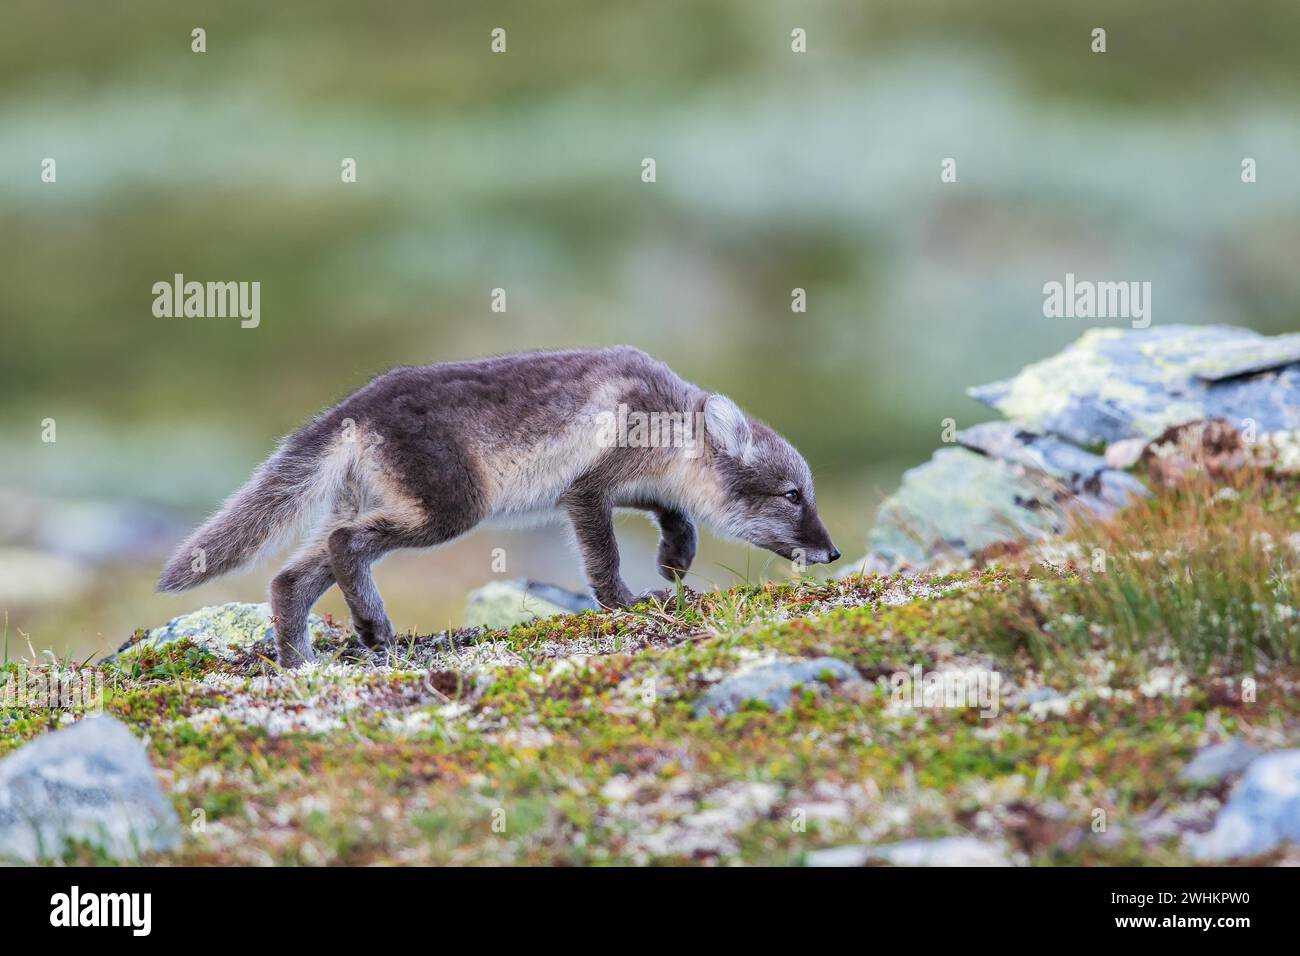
[[1041, 695], [946, 851], [772, 682], [1218, 762], [503, 604], [1114, 384], [1089, 481], [90, 782], [1005, 484], [1051, 456], [1099, 487], [840, 856], [1263, 813], [1126, 452], [959, 503], [571, 602], [224, 630], [1014, 482], [1165, 823]]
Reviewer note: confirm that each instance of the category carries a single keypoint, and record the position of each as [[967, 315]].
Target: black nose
[[835, 554]]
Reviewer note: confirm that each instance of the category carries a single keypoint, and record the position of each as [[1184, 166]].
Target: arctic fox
[[423, 454]]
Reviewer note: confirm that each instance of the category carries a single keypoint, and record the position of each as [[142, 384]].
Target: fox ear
[[727, 428]]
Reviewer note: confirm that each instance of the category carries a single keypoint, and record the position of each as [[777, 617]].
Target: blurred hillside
[[522, 171]]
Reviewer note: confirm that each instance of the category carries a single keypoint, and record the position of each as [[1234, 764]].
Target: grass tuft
[[1205, 572]]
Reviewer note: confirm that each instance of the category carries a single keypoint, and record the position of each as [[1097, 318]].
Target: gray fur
[[421, 455]]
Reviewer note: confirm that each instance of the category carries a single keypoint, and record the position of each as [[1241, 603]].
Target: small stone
[[90, 782], [946, 851], [773, 682], [501, 605], [1041, 695], [1219, 761], [840, 856], [1125, 453], [1263, 813]]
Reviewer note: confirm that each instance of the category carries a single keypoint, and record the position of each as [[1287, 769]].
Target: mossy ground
[[575, 740]]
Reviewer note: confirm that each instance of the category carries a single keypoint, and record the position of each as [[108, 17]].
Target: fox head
[[766, 487]]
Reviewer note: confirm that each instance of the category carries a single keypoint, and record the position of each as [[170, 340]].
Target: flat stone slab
[[773, 683], [90, 782], [1114, 384]]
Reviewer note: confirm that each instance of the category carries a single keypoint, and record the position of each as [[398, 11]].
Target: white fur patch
[[525, 480], [728, 426]]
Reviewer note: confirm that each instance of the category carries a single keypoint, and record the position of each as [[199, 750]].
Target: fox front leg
[[677, 541], [592, 516]]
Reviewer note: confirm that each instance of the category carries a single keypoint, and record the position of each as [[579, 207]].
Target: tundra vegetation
[[1121, 648]]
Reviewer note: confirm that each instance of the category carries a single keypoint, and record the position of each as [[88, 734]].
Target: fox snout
[[818, 547], [815, 548], [813, 555], [822, 555]]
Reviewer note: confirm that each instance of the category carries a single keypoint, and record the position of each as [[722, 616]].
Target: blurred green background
[[521, 170]]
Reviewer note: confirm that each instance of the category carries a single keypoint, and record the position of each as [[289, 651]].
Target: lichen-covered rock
[[1114, 384], [957, 504], [947, 851], [1014, 482], [773, 682], [1003, 485], [90, 783], [1263, 813], [224, 629], [503, 604]]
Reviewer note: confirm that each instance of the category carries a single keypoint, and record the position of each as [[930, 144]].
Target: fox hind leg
[[353, 549], [294, 590]]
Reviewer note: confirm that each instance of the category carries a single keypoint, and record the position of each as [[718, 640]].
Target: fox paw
[[295, 656], [374, 634], [675, 556]]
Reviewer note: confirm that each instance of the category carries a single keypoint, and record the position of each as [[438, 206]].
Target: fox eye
[[793, 496]]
